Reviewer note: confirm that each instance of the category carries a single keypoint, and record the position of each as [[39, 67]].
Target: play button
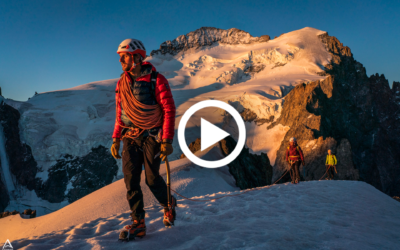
[[211, 134]]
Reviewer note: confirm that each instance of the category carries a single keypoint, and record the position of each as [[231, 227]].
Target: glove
[[115, 149], [166, 149], [303, 163]]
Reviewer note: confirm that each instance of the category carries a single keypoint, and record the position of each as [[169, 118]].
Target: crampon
[[130, 232]]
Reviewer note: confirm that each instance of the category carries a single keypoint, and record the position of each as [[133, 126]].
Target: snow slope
[[186, 178], [310, 215]]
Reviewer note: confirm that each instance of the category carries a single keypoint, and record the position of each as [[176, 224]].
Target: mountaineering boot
[[297, 181], [169, 213], [292, 182], [130, 232]]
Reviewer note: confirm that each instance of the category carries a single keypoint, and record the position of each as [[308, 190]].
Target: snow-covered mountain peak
[[249, 75], [207, 36]]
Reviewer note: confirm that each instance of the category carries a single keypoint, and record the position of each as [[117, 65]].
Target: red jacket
[[164, 99], [294, 153]]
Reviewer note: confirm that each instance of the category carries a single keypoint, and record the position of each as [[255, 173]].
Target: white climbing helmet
[[132, 46], [293, 139]]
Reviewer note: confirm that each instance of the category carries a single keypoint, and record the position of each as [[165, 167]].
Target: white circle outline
[[205, 104]]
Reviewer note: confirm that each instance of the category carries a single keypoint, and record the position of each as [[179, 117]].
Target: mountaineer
[[145, 122], [330, 164], [294, 157]]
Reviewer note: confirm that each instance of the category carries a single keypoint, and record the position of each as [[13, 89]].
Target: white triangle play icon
[[210, 134]]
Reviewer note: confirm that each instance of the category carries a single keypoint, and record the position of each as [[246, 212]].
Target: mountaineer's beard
[[126, 67]]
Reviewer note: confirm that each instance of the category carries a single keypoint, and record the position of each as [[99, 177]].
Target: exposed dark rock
[[278, 64], [351, 114], [4, 198], [264, 120], [249, 170], [255, 68], [75, 177], [22, 164], [264, 38], [397, 198], [5, 214], [396, 91], [84, 174], [207, 36], [249, 116], [193, 147], [28, 213]]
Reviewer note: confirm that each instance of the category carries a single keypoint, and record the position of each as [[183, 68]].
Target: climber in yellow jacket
[[330, 164]]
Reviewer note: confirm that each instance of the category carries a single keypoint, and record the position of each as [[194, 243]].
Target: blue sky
[[51, 45]]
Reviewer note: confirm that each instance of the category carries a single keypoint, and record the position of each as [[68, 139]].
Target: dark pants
[[294, 170], [330, 171], [136, 153]]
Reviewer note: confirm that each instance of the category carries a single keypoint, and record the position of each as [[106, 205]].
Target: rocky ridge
[[4, 198], [249, 170], [207, 36], [350, 113], [70, 178], [22, 164]]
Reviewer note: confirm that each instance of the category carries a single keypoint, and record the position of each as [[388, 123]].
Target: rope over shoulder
[[134, 109]]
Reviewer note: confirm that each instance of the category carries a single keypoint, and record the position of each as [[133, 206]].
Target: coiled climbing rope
[[143, 116]]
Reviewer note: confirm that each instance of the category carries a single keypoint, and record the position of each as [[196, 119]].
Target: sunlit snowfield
[[309, 215]]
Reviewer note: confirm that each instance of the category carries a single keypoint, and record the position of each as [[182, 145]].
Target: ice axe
[[169, 217], [168, 181]]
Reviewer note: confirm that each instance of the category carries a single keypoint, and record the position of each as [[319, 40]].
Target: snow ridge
[[331, 214]]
